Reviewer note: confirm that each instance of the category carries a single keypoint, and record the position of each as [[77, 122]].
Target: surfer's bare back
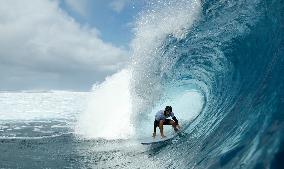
[[161, 118]]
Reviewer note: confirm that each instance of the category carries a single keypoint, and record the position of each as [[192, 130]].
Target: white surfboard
[[158, 139]]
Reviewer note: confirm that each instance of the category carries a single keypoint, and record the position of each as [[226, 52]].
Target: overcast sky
[[63, 44]]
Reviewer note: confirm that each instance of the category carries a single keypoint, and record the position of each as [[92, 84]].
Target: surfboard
[[158, 139]]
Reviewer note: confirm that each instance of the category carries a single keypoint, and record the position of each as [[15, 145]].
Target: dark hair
[[169, 108]]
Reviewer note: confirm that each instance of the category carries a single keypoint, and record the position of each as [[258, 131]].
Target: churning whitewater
[[219, 64]]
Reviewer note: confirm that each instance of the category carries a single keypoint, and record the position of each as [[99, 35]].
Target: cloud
[[118, 5], [41, 43], [79, 7]]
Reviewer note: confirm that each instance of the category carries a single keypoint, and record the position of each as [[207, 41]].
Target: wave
[[220, 65], [231, 53]]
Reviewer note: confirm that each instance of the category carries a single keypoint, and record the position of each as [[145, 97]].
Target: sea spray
[[108, 113], [149, 68]]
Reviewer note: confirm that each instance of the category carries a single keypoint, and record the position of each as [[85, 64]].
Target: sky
[[63, 44]]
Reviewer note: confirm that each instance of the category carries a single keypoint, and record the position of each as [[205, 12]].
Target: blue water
[[231, 52], [236, 49]]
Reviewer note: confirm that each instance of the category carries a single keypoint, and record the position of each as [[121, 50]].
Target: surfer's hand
[[178, 127]]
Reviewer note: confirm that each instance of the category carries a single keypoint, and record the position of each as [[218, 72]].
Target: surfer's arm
[[176, 122], [175, 119]]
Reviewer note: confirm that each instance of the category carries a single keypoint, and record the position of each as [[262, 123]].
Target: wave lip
[[149, 67]]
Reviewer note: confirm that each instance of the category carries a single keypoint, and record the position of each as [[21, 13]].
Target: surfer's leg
[[173, 123], [156, 124], [161, 123]]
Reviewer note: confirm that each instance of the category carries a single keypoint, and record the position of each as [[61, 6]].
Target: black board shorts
[[166, 122]]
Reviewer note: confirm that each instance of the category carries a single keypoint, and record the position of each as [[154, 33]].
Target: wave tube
[[231, 52]]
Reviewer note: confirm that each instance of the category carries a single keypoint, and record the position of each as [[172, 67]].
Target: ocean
[[219, 64]]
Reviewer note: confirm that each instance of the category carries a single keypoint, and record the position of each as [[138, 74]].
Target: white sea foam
[[109, 109], [41, 106]]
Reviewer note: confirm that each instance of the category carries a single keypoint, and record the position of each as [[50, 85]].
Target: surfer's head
[[168, 110]]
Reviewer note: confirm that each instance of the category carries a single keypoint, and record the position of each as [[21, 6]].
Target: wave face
[[231, 52]]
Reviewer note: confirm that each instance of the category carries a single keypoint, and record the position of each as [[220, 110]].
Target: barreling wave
[[231, 52]]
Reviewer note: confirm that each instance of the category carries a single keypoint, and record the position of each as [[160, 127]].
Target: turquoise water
[[227, 54]]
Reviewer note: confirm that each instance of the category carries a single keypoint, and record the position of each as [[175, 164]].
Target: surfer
[[161, 119]]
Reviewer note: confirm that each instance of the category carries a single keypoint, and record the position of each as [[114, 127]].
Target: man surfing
[[161, 118]]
